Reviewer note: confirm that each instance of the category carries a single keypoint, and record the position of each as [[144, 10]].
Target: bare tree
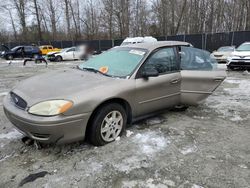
[[37, 15], [67, 15], [21, 7]]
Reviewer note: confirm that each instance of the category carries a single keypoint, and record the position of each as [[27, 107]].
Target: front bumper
[[245, 64], [51, 57], [57, 129]]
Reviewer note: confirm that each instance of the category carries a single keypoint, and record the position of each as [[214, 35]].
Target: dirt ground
[[205, 146]]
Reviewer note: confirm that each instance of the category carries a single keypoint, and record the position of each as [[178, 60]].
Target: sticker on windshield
[[137, 52], [104, 70]]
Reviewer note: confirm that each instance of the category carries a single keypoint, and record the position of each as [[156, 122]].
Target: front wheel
[[108, 123], [9, 57], [180, 108], [59, 58]]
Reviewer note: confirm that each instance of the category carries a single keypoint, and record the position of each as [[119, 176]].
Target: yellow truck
[[48, 48]]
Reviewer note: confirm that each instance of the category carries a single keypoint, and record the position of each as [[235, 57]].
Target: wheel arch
[[120, 101], [58, 55]]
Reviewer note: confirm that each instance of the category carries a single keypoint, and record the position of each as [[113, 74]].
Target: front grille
[[239, 64], [218, 55], [238, 59], [19, 102]]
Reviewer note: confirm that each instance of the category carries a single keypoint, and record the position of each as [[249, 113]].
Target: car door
[[200, 76], [28, 51], [78, 53], [162, 91], [69, 54], [19, 53]]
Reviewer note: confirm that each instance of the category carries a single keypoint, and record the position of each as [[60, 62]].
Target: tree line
[[43, 20]]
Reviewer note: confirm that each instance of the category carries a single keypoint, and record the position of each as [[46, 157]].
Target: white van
[[136, 40]]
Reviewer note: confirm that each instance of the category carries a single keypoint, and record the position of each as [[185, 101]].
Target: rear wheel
[[108, 124]]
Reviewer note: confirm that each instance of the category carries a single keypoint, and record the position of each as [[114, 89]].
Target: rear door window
[[196, 59], [27, 48]]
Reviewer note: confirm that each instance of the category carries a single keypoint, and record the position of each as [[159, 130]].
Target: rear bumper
[[57, 129], [221, 60]]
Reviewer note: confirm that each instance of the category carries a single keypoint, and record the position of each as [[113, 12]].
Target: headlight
[[50, 108]]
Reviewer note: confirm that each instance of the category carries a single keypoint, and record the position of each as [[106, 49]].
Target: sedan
[[107, 92], [21, 52], [223, 53], [73, 53], [240, 58]]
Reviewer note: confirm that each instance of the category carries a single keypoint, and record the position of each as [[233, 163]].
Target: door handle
[[175, 81]]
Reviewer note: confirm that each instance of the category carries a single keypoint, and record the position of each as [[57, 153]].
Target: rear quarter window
[[197, 59]]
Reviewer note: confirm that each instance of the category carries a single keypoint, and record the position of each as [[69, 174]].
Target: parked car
[[222, 54], [104, 94], [48, 48], [240, 58], [136, 40], [21, 52], [73, 53], [3, 49]]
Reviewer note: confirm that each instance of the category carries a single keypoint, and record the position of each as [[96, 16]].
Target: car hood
[[241, 53], [61, 84], [222, 53], [52, 53]]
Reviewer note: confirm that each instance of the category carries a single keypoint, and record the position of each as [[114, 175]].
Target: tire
[[180, 108], [59, 58], [103, 128], [9, 57]]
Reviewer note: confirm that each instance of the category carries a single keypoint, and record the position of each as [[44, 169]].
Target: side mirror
[[150, 72]]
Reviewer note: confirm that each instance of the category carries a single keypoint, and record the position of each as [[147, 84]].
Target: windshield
[[226, 49], [118, 62], [15, 48], [65, 49], [244, 47]]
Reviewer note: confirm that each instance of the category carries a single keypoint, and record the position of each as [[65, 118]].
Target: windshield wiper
[[93, 70]]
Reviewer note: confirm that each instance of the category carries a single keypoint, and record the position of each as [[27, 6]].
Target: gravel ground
[[205, 146]]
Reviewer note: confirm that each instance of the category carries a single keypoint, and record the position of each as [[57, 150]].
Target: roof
[[159, 44]]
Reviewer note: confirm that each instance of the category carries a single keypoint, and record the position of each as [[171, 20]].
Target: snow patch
[[169, 183], [11, 135], [139, 183], [3, 94], [150, 142], [196, 186], [188, 150], [236, 118], [129, 133], [233, 102]]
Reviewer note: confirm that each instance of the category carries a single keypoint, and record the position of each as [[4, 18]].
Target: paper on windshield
[[137, 52]]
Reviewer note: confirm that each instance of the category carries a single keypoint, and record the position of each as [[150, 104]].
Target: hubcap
[[111, 126]]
